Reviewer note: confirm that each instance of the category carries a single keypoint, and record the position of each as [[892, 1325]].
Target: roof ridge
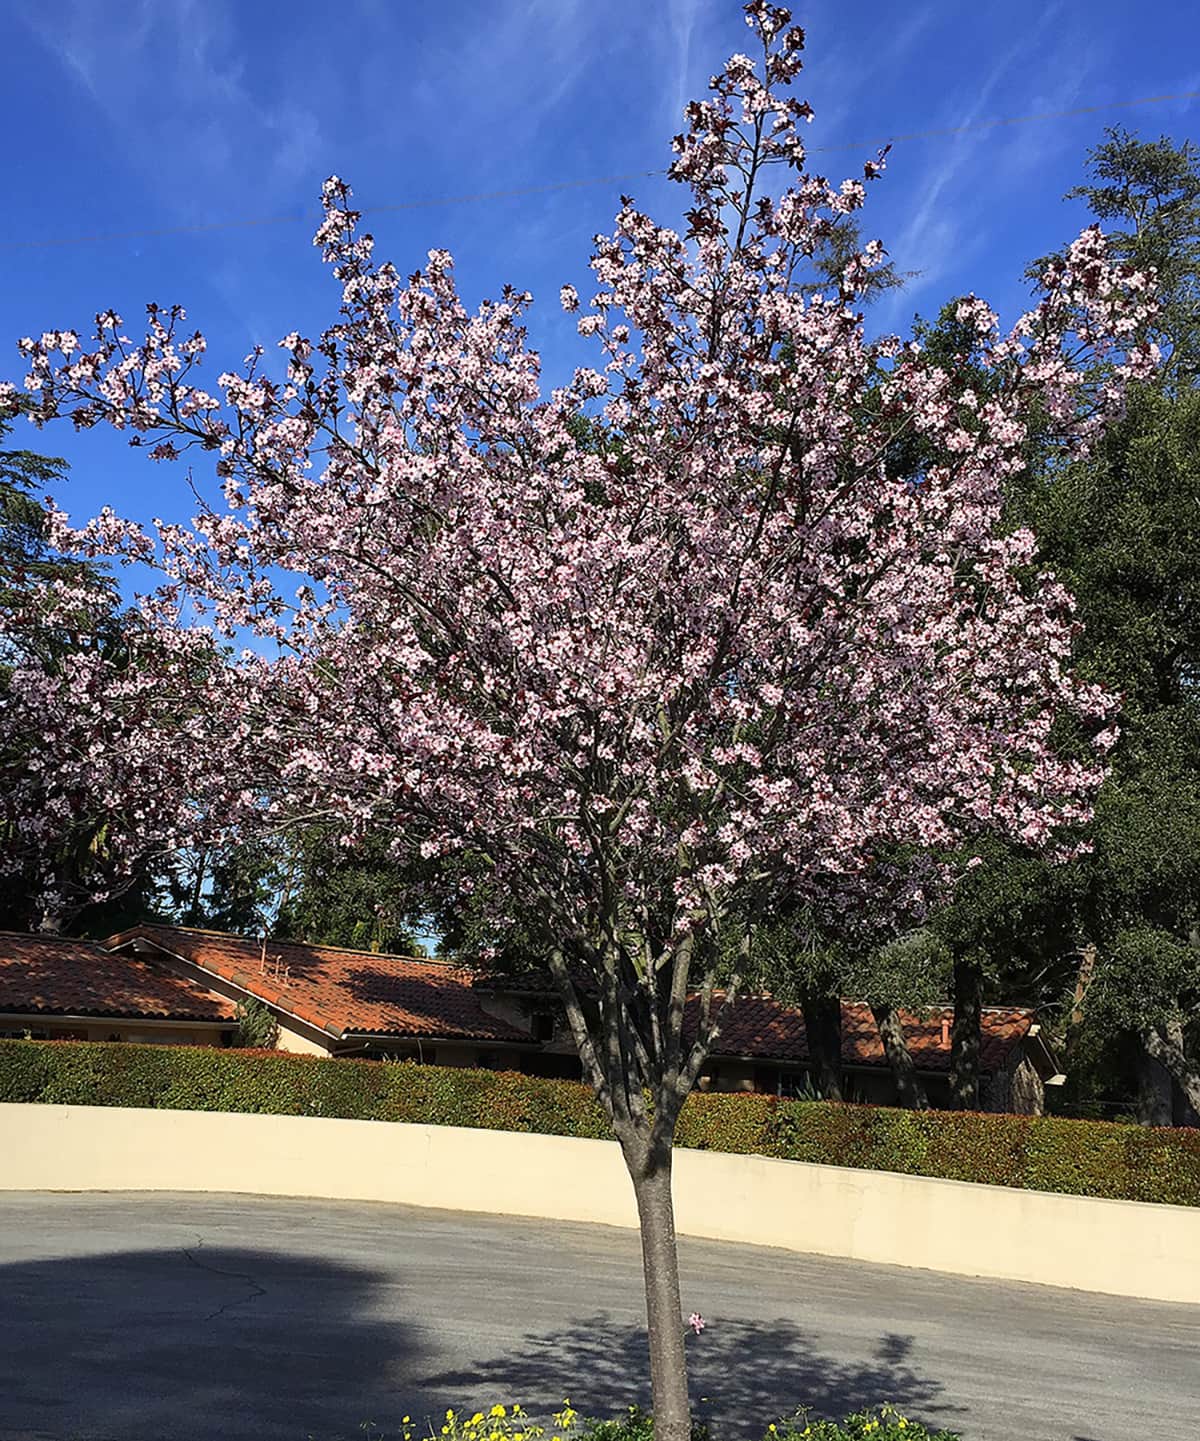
[[281, 941]]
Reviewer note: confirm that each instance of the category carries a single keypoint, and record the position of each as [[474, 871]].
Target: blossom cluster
[[652, 646]]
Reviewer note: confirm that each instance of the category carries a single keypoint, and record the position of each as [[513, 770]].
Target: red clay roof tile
[[764, 1028], [60, 976], [339, 991]]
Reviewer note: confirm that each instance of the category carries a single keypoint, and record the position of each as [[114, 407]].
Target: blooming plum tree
[[644, 686]]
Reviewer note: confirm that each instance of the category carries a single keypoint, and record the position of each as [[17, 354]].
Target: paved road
[[138, 1318]]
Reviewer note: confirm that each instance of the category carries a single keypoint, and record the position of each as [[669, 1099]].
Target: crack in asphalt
[[255, 1289]]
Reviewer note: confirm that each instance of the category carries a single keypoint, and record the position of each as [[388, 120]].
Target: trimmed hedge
[[199, 1078], [1042, 1153]]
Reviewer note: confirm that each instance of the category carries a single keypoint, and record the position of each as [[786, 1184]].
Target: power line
[[518, 192]]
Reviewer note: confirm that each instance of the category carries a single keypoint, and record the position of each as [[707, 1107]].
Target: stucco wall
[[301, 1042], [87, 1028], [1125, 1248]]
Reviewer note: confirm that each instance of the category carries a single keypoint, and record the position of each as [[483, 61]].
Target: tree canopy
[[644, 688]]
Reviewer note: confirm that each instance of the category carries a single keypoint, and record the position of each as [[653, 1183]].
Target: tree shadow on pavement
[[744, 1374], [200, 1342]]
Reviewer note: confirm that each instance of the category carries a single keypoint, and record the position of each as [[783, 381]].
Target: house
[[763, 1046], [182, 985], [330, 1001], [53, 988]]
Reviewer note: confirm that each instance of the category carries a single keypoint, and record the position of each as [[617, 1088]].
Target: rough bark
[[1022, 1092], [823, 1025], [1083, 980], [1184, 1109], [650, 1169], [910, 1090], [965, 1039], [1167, 1051]]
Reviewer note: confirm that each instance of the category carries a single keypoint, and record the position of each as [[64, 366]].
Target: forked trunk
[[1168, 1049], [910, 1091], [664, 1315]]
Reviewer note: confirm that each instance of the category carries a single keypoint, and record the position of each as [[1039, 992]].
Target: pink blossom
[[715, 653]]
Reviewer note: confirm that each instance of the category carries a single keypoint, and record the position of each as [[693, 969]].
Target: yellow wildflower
[[497, 1411]]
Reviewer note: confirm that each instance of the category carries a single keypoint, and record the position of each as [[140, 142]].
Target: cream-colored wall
[[1125, 1248], [302, 1043], [144, 1032]]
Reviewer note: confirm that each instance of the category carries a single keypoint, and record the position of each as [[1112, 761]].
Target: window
[[789, 1084], [542, 1025]]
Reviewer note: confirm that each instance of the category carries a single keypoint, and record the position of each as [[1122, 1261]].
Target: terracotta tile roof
[[338, 991], [764, 1028], [58, 976]]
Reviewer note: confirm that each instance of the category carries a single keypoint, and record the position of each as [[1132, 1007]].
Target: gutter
[[96, 1017]]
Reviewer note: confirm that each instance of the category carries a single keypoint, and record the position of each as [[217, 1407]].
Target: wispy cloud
[[682, 20], [944, 226], [171, 82]]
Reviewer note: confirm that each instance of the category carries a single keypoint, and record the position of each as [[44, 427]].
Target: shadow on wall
[[743, 1375]]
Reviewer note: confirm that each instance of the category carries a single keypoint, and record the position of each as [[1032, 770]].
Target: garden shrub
[[1045, 1153], [634, 1425], [512, 1423], [971, 1146], [886, 1424], [730, 1122]]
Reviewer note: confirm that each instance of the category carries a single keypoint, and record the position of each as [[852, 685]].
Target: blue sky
[[159, 114]]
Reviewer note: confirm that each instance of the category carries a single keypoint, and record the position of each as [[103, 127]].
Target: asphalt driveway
[[138, 1318]]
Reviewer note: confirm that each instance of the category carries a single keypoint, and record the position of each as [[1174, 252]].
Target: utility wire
[[520, 191]]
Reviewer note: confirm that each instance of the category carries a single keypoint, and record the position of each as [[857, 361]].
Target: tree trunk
[[651, 1174], [1184, 1108], [1083, 979], [1154, 1090], [1170, 1053], [965, 1040], [823, 1026], [910, 1091]]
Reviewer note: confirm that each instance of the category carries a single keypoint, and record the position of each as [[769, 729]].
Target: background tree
[[83, 618], [360, 898], [1121, 528], [235, 888], [646, 699]]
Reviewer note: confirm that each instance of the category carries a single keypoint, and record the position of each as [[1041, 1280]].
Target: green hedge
[[1044, 1153]]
